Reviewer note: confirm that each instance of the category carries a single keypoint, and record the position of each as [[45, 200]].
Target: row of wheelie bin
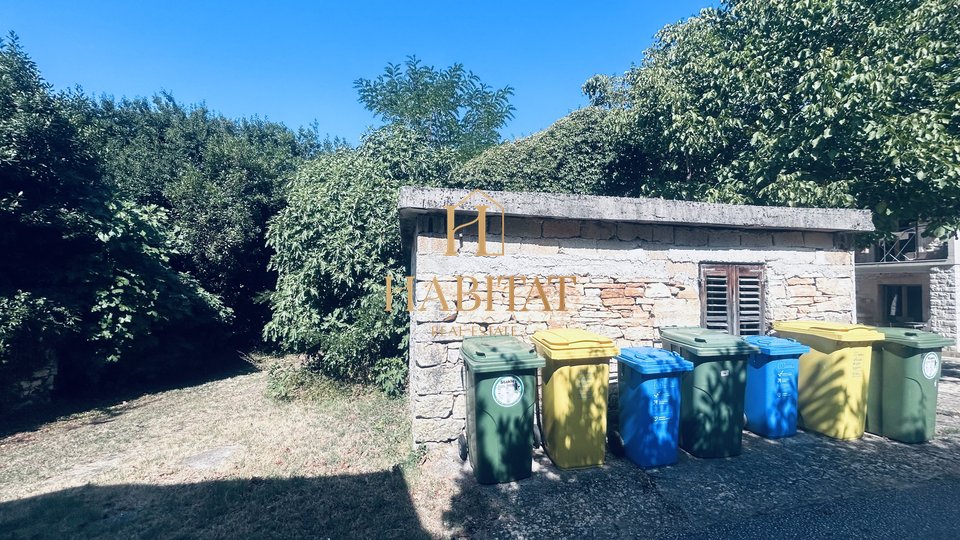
[[696, 393]]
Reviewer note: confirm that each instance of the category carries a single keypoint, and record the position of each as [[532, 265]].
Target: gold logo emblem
[[486, 202]]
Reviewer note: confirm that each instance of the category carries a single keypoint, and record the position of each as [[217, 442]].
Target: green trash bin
[[501, 388], [711, 396], [902, 397]]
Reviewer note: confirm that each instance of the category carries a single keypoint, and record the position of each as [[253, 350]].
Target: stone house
[[619, 267], [911, 281]]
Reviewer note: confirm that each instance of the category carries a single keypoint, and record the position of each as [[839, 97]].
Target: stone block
[[688, 293], [445, 378], [756, 239], [629, 232], [427, 355], [788, 239], [835, 286], [838, 257], [663, 234], [598, 230], [561, 228], [579, 247], [657, 290], [433, 406], [802, 290], [431, 244], [686, 236], [610, 302], [523, 227], [542, 246], [459, 406], [724, 238], [432, 430], [818, 240]]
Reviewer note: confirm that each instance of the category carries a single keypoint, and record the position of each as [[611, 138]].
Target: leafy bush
[[85, 274], [335, 242], [574, 155], [288, 381], [824, 103], [219, 179]]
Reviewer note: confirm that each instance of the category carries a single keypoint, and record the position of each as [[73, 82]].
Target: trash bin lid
[[704, 342], [777, 346], [917, 339], [831, 330], [651, 361], [573, 343], [498, 353]]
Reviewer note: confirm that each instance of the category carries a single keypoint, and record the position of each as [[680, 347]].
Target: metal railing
[[907, 246]]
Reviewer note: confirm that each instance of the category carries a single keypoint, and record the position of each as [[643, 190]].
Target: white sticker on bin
[[931, 365], [508, 390]]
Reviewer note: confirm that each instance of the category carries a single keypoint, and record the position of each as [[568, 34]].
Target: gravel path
[[806, 486]]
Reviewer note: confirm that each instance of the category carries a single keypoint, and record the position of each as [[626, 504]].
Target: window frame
[[733, 272]]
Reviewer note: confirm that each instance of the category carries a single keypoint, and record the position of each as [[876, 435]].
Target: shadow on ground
[[374, 505], [810, 474], [107, 398]]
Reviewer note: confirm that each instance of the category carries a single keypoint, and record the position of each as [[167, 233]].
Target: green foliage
[[335, 242], [30, 326], [288, 381], [84, 275], [814, 103], [220, 180], [450, 108], [574, 155]]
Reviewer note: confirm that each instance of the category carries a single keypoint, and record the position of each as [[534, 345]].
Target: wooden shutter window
[[716, 299], [733, 298], [749, 301]]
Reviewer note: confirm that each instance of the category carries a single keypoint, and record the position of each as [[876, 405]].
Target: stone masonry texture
[[631, 280], [944, 306]]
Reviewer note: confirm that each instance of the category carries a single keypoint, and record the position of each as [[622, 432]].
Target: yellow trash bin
[[834, 375], [575, 381]]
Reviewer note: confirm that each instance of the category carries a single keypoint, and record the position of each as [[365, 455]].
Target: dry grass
[[219, 459], [223, 460]]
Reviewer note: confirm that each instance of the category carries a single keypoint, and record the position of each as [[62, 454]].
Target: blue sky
[[294, 62]]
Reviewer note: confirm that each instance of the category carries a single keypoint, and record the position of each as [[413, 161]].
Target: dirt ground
[[222, 460]]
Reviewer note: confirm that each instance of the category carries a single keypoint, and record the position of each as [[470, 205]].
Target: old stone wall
[[20, 390], [631, 280], [944, 308]]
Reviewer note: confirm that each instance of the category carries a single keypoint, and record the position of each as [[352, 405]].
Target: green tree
[[816, 103], [85, 275], [335, 242], [450, 108], [574, 155], [219, 179]]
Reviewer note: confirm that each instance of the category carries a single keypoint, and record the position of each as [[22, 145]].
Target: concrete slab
[[415, 200]]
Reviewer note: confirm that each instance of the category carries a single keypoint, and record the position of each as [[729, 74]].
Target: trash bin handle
[[700, 340]]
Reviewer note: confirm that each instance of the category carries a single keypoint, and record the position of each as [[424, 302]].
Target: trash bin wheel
[[462, 446]]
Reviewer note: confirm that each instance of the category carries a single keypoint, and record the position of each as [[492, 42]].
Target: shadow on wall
[[362, 506]]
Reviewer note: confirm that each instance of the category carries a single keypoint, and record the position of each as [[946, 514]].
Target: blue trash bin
[[649, 404], [770, 400]]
